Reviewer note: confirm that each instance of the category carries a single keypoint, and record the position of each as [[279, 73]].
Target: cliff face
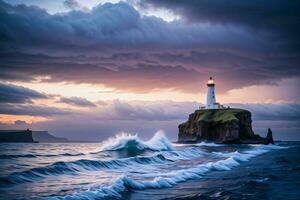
[[16, 136], [220, 126]]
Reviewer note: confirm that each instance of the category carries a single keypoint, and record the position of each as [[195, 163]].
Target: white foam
[[123, 140], [210, 144], [124, 182], [159, 142], [185, 154]]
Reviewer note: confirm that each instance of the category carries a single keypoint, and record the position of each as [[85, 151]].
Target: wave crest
[[129, 142], [125, 183]]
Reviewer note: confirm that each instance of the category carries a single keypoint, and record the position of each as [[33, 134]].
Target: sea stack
[[219, 124]]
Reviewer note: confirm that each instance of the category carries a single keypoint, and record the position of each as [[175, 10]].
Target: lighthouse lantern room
[[211, 96]]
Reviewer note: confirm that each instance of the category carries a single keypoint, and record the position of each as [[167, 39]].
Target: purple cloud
[[77, 101], [10, 93]]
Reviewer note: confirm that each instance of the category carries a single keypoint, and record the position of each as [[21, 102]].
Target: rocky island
[[218, 124], [227, 125]]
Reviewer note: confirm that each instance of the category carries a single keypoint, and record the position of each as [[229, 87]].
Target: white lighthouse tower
[[211, 96]]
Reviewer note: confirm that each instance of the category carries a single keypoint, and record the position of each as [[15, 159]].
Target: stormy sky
[[87, 70]]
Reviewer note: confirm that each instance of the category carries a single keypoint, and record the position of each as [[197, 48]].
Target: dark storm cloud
[[77, 101], [138, 77], [32, 110], [16, 94], [114, 45], [143, 72], [281, 17], [235, 69], [107, 26]]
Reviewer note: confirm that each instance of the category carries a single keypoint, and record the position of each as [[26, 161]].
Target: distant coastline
[[29, 136], [18, 136]]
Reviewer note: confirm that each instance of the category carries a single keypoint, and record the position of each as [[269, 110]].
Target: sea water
[[127, 167]]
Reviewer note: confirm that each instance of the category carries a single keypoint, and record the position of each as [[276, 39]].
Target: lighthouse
[[211, 96]]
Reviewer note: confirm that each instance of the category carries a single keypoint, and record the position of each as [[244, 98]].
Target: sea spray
[[129, 142]]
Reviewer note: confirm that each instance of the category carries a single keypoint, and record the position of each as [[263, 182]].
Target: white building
[[211, 96]]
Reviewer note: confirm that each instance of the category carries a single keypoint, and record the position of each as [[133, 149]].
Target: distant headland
[[28, 136], [32, 136], [218, 124], [24, 136]]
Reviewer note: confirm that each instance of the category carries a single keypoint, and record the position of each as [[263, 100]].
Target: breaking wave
[[73, 167], [136, 163], [157, 163], [128, 142], [125, 183]]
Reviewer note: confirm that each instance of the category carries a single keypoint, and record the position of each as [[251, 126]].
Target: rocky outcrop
[[16, 136], [270, 136], [231, 126]]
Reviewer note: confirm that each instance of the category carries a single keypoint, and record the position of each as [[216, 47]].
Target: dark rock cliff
[[221, 126], [16, 136]]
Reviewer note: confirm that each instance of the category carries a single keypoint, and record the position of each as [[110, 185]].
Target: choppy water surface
[[126, 167]]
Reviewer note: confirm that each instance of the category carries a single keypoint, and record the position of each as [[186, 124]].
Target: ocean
[[127, 167]]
